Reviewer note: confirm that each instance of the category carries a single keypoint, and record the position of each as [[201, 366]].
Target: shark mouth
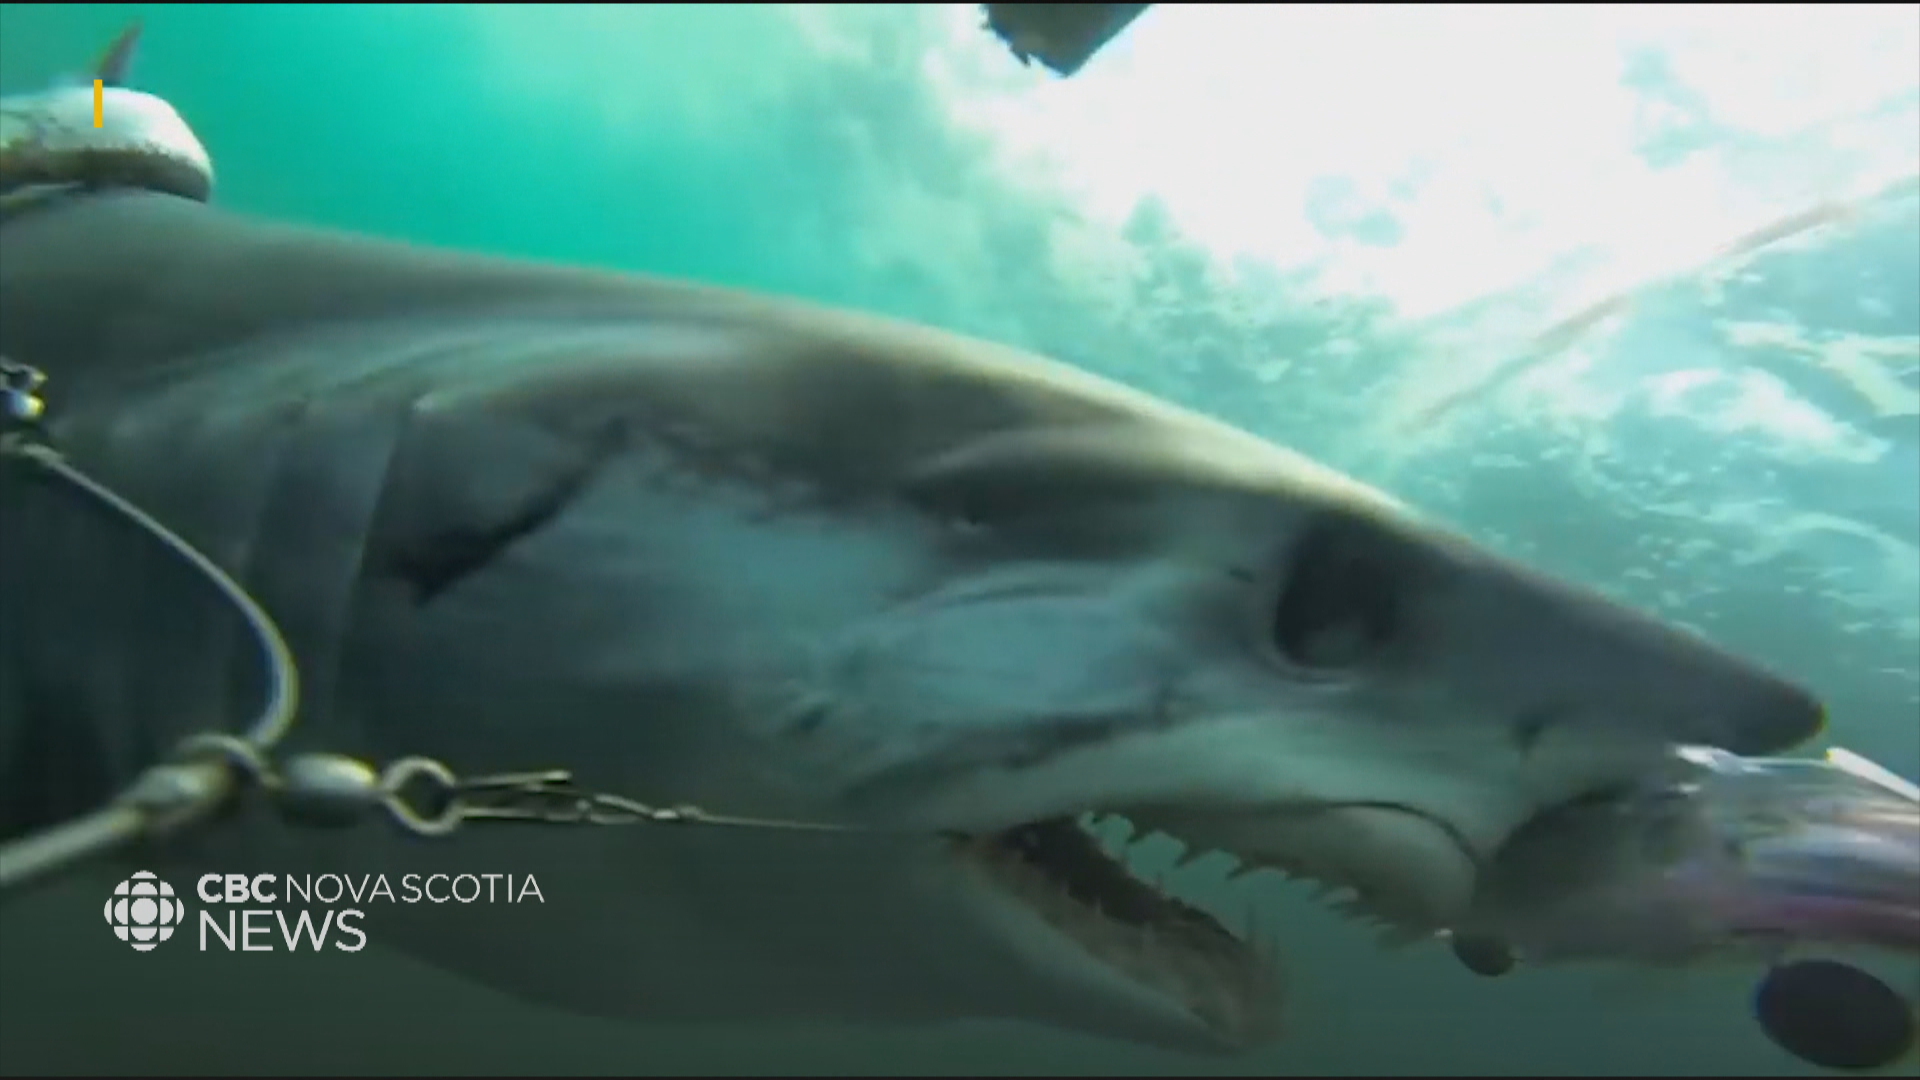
[[1073, 873]]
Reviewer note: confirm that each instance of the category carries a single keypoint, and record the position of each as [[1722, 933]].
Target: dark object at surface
[[1834, 1015], [1061, 36], [1483, 955]]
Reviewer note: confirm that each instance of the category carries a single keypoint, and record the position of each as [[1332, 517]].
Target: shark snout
[[1570, 657], [1696, 692]]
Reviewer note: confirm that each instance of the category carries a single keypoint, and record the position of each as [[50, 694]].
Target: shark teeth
[[1102, 879], [1343, 898], [1123, 836], [1229, 979]]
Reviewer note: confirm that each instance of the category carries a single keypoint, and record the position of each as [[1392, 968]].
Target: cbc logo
[[143, 911]]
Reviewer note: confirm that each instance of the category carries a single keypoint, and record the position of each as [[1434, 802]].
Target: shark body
[[708, 547]]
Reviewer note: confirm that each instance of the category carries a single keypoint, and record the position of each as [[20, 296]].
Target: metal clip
[[21, 406]]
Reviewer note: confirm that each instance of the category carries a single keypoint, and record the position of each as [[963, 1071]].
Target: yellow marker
[[98, 91]]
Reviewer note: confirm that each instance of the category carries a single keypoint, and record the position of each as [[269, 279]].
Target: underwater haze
[[1505, 263]]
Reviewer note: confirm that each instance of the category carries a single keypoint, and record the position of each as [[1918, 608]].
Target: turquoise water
[[1741, 451]]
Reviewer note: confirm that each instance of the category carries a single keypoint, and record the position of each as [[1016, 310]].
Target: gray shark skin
[[708, 547]]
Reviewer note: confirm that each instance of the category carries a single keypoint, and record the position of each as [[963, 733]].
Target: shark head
[[1168, 627]]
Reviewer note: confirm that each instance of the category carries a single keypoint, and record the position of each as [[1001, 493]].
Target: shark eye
[[1341, 605]]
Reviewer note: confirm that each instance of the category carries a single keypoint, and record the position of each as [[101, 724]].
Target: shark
[[959, 605]]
